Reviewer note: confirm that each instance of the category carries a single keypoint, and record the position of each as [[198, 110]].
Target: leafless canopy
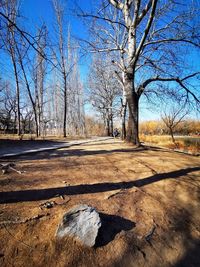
[[148, 41]]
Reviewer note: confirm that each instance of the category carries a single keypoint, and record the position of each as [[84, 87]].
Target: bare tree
[[123, 115], [28, 55], [151, 37], [8, 109], [8, 20], [62, 58], [11, 10], [39, 76], [66, 57], [172, 116], [18, 43], [75, 115], [104, 90]]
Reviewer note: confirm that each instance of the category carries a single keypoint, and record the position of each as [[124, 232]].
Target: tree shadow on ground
[[111, 225], [191, 258], [58, 153], [174, 246], [102, 143], [15, 146], [47, 193], [184, 226]]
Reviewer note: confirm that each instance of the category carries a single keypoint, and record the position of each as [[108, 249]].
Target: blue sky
[[36, 12]]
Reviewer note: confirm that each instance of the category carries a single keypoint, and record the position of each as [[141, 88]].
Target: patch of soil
[[148, 199]]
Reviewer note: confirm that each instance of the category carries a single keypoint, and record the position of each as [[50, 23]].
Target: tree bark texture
[[133, 109]]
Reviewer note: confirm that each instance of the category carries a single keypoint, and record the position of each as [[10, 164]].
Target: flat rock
[[82, 222]]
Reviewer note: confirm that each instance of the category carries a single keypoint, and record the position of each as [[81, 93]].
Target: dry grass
[[184, 143]]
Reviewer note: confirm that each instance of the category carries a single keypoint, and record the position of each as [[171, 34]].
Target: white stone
[[81, 222]]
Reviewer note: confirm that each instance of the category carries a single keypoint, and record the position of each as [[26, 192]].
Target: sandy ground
[[148, 199]]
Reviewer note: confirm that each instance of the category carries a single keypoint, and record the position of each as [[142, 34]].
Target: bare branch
[[102, 18], [117, 4], [23, 33], [170, 79], [146, 31], [171, 40], [144, 12]]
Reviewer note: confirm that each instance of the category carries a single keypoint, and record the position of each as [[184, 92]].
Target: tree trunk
[[30, 95], [133, 108], [18, 110], [15, 123], [123, 115], [107, 126], [36, 124], [29, 126], [172, 135], [17, 92], [12, 45], [111, 125], [65, 107]]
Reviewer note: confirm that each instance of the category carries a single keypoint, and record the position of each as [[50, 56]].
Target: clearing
[[148, 199]]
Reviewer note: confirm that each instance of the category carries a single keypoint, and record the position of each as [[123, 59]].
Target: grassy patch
[[184, 143]]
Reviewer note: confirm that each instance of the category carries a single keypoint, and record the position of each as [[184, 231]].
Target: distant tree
[[75, 114], [104, 90], [8, 109], [151, 127], [193, 127], [94, 126], [172, 117], [68, 88]]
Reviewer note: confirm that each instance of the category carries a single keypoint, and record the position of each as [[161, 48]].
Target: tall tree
[[39, 77], [62, 57], [9, 39]]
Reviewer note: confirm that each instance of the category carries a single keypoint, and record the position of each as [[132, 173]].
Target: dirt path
[[9, 148], [148, 199]]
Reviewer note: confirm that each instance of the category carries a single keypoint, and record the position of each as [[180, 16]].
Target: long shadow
[[157, 253], [191, 257], [15, 146], [42, 194], [182, 224], [57, 153], [111, 225], [100, 144]]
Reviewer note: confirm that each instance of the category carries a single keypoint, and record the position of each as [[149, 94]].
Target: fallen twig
[[149, 235], [37, 217], [8, 166], [116, 193]]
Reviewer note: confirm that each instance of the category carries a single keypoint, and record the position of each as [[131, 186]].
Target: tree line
[[138, 50], [158, 127], [43, 92]]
